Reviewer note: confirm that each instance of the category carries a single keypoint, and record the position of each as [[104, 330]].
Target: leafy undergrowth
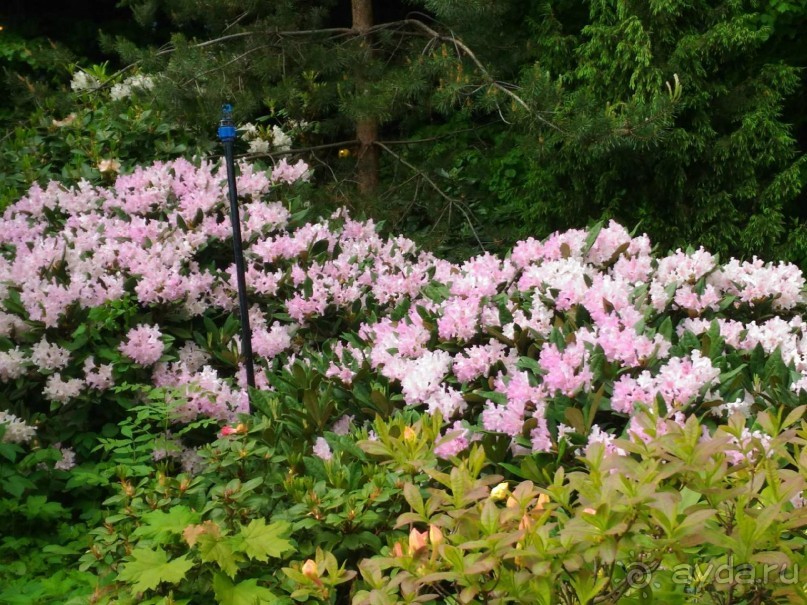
[[383, 373]]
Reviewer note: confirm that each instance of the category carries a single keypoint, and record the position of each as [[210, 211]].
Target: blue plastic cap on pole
[[226, 126]]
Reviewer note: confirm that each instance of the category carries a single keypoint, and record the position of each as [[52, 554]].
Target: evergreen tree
[[480, 121], [346, 71], [722, 170]]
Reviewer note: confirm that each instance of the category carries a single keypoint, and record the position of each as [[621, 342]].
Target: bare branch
[[237, 20], [451, 201], [437, 137], [273, 154]]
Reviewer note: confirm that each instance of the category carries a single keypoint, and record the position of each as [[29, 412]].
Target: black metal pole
[[227, 137]]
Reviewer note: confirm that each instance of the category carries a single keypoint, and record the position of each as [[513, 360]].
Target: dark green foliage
[[711, 162], [607, 132]]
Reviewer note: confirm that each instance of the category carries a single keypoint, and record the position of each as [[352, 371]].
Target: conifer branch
[[337, 32], [236, 21], [500, 86], [437, 137], [227, 64]]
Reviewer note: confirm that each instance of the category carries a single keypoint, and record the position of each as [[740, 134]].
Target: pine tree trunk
[[366, 128]]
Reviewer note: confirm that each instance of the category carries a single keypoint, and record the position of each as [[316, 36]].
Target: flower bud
[[417, 540], [500, 492], [311, 571], [435, 535], [110, 166]]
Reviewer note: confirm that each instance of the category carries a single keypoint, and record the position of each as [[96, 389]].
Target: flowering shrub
[[89, 129], [686, 517], [558, 344], [585, 345]]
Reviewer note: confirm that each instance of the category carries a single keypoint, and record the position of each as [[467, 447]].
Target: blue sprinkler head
[[226, 126]]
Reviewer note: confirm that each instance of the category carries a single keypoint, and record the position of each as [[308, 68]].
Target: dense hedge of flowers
[[561, 341]]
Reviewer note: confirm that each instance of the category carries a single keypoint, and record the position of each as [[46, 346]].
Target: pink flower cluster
[[493, 341], [83, 248], [143, 345]]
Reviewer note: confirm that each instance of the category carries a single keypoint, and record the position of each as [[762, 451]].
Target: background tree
[[470, 124], [726, 172]]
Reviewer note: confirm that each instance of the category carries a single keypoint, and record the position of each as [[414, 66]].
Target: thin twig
[[437, 188], [220, 67], [237, 20], [391, 189], [437, 137], [270, 154], [409, 206]]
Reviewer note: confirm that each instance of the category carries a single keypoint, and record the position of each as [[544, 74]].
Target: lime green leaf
[[262, 541], [160, 526], [218, 549], [150, 567], [244, 593]]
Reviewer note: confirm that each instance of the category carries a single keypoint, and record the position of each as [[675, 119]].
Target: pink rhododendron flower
[[143, 345], [98, 377], [288, 174], [566, 371], [609, 241], [452, 441], [423, 376], [15, 430], [460, 319], [322, 450], [597, 435], [342, 425], [272, 342], [12, 364], [68, 459]]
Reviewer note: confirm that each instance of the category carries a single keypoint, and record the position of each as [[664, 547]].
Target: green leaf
[[160, 526], [412, 495], [489, 519], [593, 233], [261, 541], [575, 419], [218, 549], [244, 593], [150, 567], [666, 328], [527, 363]]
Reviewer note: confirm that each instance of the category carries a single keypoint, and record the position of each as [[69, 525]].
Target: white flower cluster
[[276, 139], [123, 90], [84, 81], [16, 431], [68, 459]]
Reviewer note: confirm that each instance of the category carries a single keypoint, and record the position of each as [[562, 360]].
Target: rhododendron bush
[[382, 372], [559, 343]]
